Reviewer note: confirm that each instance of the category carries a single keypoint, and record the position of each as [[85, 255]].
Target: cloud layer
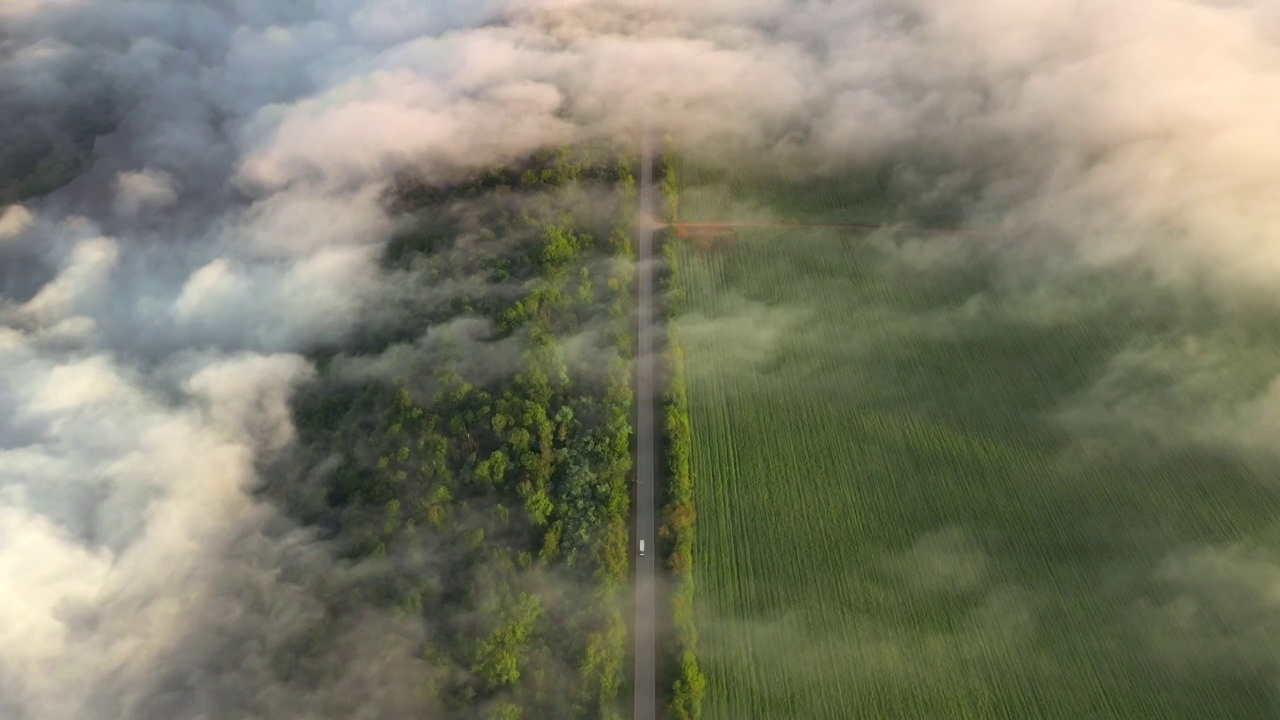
[[155, 312]]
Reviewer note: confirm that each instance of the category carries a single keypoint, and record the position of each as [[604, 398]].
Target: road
[[646, 612]]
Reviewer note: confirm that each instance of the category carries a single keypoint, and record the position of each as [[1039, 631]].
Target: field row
[[920, 495]]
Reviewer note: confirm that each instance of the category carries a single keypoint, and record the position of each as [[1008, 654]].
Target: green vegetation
[[924, 490], [503, 454], [43, 176], [853, 196], [688, 684]]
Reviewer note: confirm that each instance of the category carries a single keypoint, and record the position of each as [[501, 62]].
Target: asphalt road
[[644, 633]]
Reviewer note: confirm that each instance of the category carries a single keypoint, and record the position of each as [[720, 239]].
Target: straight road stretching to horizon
[[644, 633]]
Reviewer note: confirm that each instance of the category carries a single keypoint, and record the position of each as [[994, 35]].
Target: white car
[[641, 548]]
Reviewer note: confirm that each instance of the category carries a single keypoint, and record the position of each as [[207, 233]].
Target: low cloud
[[139, 191], [746, 333], [14, 220], [1215, 612], [156, 309], [945, 560]]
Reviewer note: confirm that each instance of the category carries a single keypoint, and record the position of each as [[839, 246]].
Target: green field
[[928, 489]]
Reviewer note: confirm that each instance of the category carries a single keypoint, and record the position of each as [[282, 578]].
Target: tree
[[499, 657]]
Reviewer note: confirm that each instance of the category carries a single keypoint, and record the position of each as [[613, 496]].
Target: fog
[[156, 313]]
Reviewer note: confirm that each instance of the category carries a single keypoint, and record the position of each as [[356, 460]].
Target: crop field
[[927, 490]]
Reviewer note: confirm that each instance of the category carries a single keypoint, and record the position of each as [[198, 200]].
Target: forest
[[487, 426]]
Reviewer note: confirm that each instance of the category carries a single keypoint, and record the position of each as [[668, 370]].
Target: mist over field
[[1030, 466], [196, 204]]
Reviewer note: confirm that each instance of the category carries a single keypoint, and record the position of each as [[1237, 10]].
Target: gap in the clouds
[[41, 153]]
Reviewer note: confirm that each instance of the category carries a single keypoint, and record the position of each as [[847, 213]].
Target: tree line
[[686, 680]]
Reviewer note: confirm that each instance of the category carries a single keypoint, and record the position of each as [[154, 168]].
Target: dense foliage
[[687, 683], [503, 452]]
